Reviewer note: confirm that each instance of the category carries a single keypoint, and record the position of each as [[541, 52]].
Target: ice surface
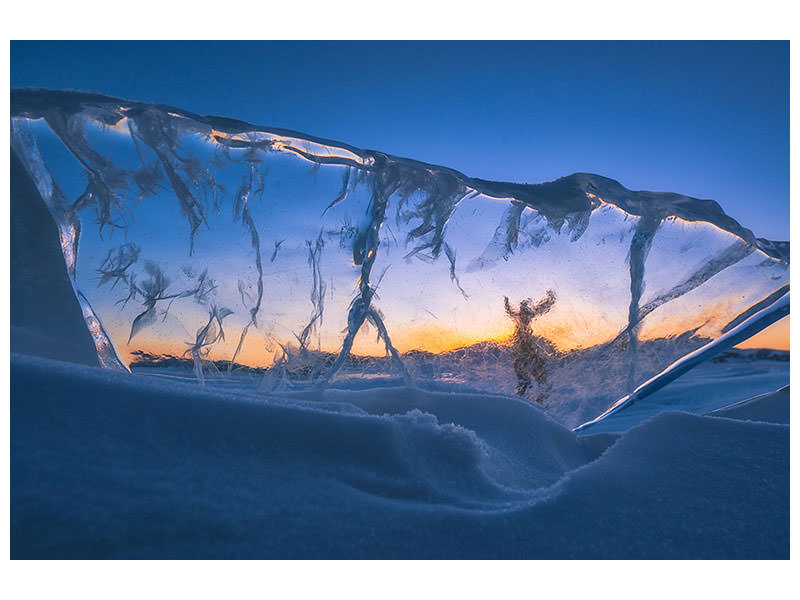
[[269, 259], [715, 385], [772, 407]]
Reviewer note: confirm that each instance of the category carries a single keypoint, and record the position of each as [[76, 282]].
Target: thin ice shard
[[171, 223]]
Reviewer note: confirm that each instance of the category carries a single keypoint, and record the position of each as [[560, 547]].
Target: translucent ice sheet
[[287, 262]]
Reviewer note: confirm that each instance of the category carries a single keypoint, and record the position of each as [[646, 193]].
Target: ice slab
[[283, 261]]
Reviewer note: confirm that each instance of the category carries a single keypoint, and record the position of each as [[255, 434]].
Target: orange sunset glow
[[258, 350]]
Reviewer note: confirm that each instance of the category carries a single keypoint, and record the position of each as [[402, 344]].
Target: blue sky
[[707, 119]]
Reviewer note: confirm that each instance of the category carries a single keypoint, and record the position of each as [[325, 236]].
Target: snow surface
[[105, 465]]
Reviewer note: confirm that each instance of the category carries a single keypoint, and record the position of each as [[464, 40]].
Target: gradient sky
[[706, 119]]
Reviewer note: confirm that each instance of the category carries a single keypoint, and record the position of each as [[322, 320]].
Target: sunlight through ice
[[264, 259]]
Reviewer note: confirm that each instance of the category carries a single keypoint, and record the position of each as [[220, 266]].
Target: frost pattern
[[530, 352]]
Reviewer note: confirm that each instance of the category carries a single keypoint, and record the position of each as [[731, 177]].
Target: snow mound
[[108, 466], [677, 485]]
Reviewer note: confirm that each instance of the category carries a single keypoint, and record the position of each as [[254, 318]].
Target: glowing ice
[[271, 257]]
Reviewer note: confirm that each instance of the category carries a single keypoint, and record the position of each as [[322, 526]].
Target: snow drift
[[109, 466]]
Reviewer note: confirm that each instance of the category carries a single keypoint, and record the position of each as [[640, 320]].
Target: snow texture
[[104, 465]]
